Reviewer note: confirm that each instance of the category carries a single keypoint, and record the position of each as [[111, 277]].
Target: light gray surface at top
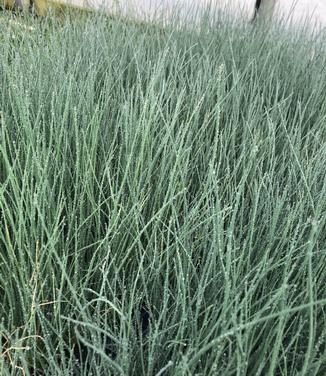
[[294, 11]]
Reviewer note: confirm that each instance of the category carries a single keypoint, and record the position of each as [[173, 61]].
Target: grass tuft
[[162, 200]]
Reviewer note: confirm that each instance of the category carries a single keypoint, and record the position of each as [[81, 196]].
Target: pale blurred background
[[295, 11]]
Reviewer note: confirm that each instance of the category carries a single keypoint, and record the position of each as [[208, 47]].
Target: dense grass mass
[[162, 200]]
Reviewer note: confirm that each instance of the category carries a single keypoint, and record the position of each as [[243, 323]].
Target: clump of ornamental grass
[[162, 200]]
